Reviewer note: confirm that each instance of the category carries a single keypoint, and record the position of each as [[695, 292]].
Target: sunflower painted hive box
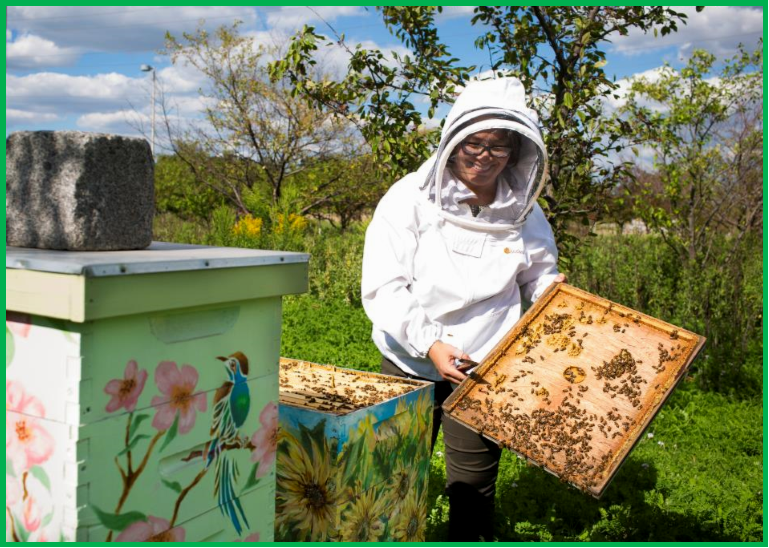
[[574, 384], [141, 392], [353, 455]]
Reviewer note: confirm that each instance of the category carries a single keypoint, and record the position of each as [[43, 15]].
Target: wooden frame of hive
[[573, 385]]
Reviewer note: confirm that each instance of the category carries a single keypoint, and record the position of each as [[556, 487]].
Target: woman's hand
[[561, 278], [442, 356]]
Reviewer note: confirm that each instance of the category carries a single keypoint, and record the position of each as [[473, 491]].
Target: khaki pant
[[472, 464]]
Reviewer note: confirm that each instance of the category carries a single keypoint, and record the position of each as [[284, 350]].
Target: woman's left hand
[[560, 279]]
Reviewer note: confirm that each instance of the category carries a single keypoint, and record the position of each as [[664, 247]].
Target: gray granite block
[[70, 190]]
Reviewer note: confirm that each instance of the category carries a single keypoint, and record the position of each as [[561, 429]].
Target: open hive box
[[353, 455], [574, 384]]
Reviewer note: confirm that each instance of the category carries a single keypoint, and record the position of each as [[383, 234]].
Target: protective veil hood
[[487, 105]]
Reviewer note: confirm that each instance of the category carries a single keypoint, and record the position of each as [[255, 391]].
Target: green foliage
[[340, 190], [708, 140], [167, 227], [178, 191], [556, 52], [222, 222], [377, 94], [258, 138], [328, 324], [559, 53], [437, 500], [328, 332]]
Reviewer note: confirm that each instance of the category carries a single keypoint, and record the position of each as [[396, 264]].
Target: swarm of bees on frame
[[336, 390], [573, 438]]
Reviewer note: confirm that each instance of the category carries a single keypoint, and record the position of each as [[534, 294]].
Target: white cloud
[[15, 116], [119, 122], [180, 78], [53, 93], [117, 103], [8, 36], [112, 103], [31, 51], [294, 17], [623, 88], [454, 12], [717, 29], [122, 29], [102, 87]]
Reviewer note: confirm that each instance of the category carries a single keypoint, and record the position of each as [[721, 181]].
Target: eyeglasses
[[476, 149]]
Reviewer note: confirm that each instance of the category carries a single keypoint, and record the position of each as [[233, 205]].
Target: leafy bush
[[178, 192]]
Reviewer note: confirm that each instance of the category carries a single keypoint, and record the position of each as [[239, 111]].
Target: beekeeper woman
[[451, 254]]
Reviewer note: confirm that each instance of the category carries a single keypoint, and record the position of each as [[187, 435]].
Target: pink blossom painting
[[178, 389], [27, 443], [152, 530], [265, 440], [125, 392]]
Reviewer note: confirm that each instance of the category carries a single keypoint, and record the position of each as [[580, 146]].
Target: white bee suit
[[432, 271]]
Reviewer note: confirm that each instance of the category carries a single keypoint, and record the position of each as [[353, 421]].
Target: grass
[[696, 475]]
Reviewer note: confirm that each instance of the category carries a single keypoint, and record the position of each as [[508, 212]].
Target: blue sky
[[79, 67]]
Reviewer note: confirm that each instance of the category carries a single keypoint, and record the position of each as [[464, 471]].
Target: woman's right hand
[[442, 356]]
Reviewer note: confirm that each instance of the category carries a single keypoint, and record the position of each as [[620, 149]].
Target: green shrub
[[177, 192], [721, 300]]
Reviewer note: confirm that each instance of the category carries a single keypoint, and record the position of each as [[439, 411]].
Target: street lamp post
[[149, 68]]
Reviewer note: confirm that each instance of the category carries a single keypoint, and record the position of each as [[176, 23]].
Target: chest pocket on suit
[[468, 243]]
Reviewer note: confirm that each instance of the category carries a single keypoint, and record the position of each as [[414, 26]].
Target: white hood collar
[[486, 105]]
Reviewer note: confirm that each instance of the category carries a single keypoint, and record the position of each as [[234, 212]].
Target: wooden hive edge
[[324, 404]]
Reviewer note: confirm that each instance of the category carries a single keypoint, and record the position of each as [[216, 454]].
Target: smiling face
[[479, 173]]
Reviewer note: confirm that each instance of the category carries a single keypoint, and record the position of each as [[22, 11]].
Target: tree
[[556, 52], [178, 192], [354, 188], [707, 136], [256, 136], [706, 200]]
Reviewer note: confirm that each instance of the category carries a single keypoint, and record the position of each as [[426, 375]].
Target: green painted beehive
[[353, 455], [141, 393]]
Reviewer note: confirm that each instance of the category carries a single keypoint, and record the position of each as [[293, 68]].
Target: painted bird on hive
[[232, 403]]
